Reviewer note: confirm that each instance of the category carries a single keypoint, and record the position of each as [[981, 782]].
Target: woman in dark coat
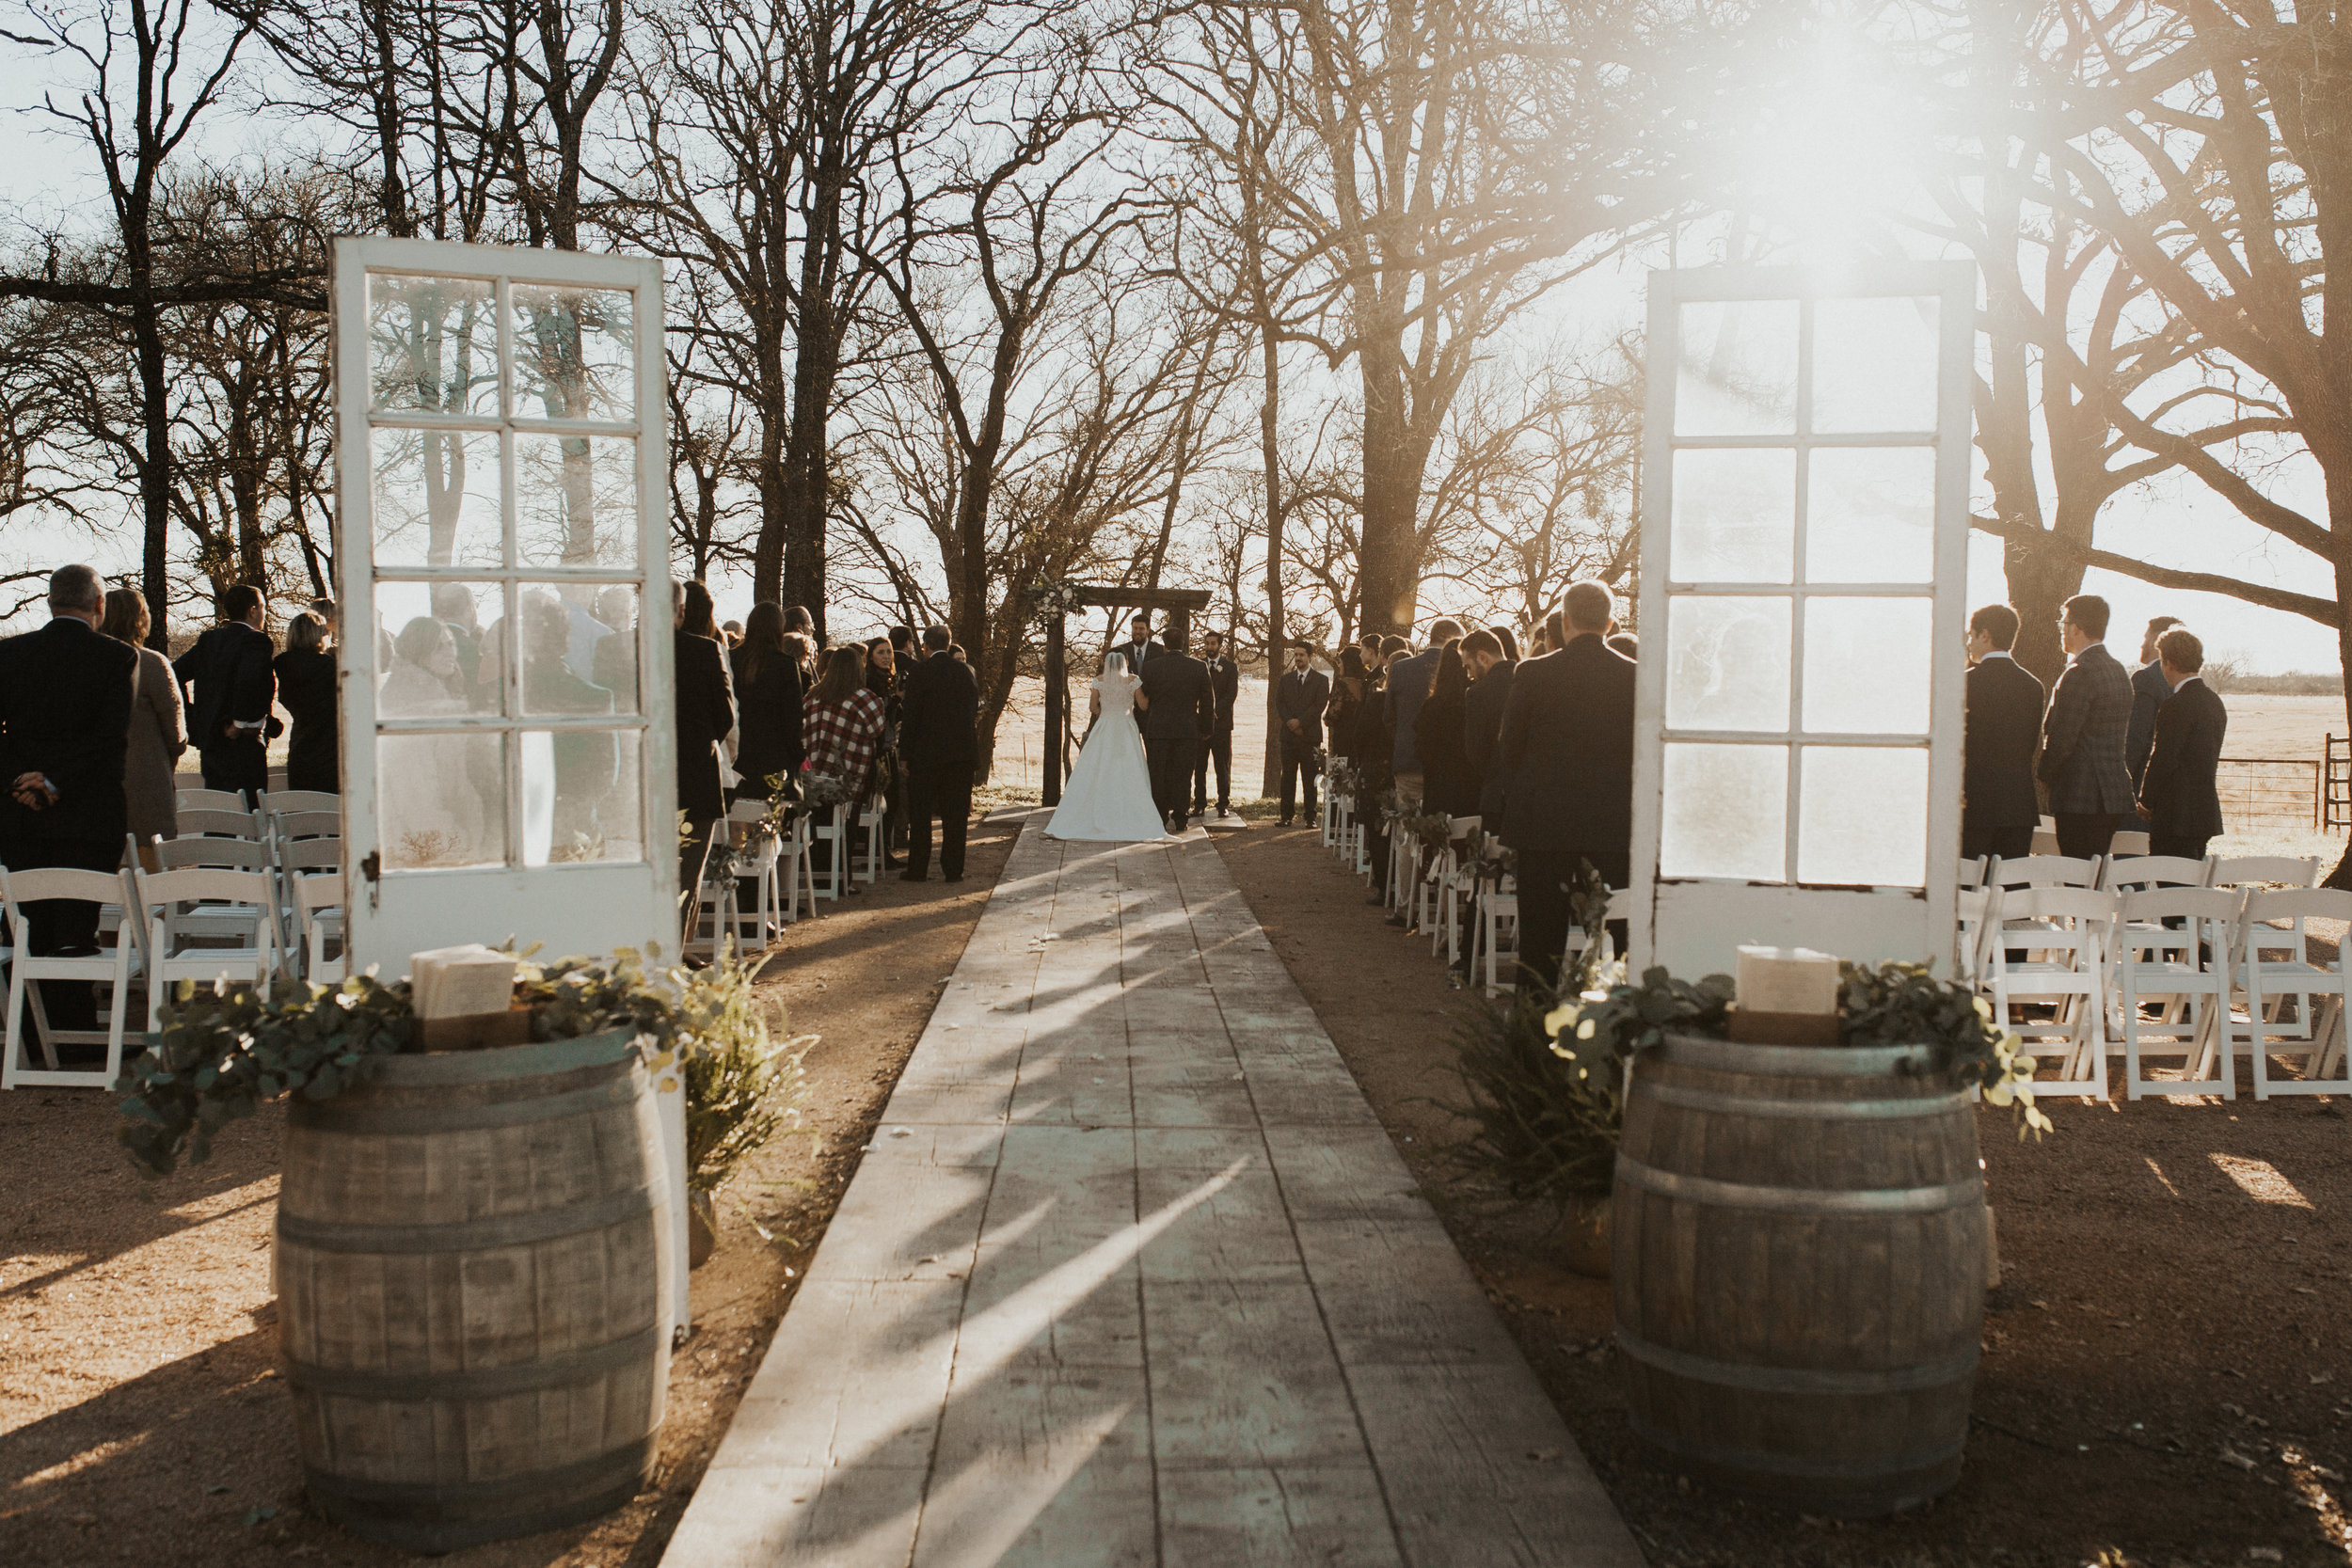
[[887, 681], [306, 690], [1375, 771], [1347, 698], [1440, 736], [768, 692]]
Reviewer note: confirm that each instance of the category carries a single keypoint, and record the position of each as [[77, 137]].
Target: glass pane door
[[502, 574]]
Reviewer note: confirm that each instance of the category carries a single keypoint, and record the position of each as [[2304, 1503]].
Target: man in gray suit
[[1409, 687], [2083, 734]]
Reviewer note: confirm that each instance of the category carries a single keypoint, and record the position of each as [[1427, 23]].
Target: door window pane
[[574, 501], [582, 801], [436, 656], [442, 800], [1863, 816], [1867, 665], [1870, 514], [432, 345], [1737, 373], [1874, 364], [573, 353], [562, 642], [1724, 812], [1728, 663], [437, 498], [1733, 515]]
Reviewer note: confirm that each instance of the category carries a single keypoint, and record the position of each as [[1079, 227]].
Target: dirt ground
[[2166, 1379], [141, 1420]]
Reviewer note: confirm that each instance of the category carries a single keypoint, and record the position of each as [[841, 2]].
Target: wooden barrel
[[471, 1301], [1798, 1270]]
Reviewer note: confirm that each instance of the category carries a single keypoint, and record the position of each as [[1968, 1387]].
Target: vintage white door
[[1804, 572], [507, 746]]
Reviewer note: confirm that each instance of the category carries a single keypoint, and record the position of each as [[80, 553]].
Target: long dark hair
[[1451, 683], [1351, 664], [694, 611], [845, 672], [1510, 644], [763, 634]]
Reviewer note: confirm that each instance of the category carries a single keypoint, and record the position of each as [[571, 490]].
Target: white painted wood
[[1693, 925]]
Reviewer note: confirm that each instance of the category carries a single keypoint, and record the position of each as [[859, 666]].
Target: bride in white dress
[[1109, 796]]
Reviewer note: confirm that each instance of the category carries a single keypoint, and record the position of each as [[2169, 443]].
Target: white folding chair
[[1975, 913], [1499, 934], [302, 800], [225, 854], [829, 825], [871, 818], [2128, 841], [2185, 969], [2286, 871], [1972, 871], [318, 907], [2067, 932], [116, 968], [195, 820], [758, 929], [186, 910], [213, 800], [1453, 882], [1578, 938], [293, 825], [2273, 922], [2038, 871]]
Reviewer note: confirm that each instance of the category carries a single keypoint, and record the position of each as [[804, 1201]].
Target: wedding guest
[[1566, 747], [1299, 698], [731, 634], [885, 680], [157, 740], [229, 709], [307, 690], [1139, 648], [2083, 733], [798, 622], [2179, 794], [1490, 672], [475, 688], [423, 666], [905, 656], [1409, 687], [2149, 693], [1625, 642], [66, 695], [1440, 738], [805, 653], [705, 717], [1347, 698], [1225, 685], [1555, 632], [1376, 754], [768, 693], [841, 723], [2001, 728], [613, 664], [955, 651], [940, 734], [1510, 644], [902, 649], [584, 760]]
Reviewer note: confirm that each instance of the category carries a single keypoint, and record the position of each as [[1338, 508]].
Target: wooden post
[[1057, 690]]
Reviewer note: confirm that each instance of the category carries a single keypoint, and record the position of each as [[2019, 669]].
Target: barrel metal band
[[1802, 1380], [1967, 1193], [465, 1383], [1794, 1061], [431, 1500], [392, 1114], [540, 1225], [1877, 1467], [1807, 1110]]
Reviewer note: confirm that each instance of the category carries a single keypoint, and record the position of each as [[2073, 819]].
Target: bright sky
[[2173, 522]]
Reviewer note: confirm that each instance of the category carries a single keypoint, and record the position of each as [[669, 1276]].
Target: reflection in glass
[[1874, 364], [1864, 816], [1867, 665], [1724, 812], [613, 660], [576, 500], [442, 800], [1737, 374], [436, 656], [1870, 514], [1734, 514], [432, 345], [559, 641], [580, 798], [573, 353], [437, 498], [1728, 663]]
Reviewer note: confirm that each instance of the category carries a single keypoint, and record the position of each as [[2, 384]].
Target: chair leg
[[15, 1033]]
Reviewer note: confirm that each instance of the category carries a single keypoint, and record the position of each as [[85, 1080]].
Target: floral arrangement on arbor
[[1052, 598]]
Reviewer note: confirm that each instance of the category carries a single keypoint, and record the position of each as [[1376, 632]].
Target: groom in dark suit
[[1179, 714]]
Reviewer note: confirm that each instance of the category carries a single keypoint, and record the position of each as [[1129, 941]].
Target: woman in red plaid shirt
[[841, 723]]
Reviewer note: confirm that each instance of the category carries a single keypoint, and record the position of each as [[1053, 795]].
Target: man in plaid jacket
[[2083, 734]]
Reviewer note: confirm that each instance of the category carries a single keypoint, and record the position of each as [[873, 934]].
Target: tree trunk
[[154, 470], [1388, 574], [1270, 458]]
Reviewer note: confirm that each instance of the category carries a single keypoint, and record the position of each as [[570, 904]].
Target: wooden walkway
[[1131, 1275]]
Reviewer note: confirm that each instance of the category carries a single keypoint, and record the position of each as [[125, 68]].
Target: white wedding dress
[[1109, 795]]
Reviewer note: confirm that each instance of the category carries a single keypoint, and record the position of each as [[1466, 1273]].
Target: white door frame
[[588, 908], [1693, 925]]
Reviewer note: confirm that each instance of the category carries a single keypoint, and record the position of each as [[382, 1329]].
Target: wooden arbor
[[1178, 605]]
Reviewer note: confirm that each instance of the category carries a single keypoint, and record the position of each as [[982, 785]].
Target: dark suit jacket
[[2178, 793], [1482, 730], [1567, 750], [770, 705], [1183, 705], [230, 668], [2150, 691], [1225, 681], [939, 726], [2083, 733], [65, 712], [706, 716], [2004, 727], [1409, 687], [1302, 697], [1138, 654]]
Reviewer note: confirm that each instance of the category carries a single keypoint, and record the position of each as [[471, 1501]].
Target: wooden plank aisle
[[1132, 1276]]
